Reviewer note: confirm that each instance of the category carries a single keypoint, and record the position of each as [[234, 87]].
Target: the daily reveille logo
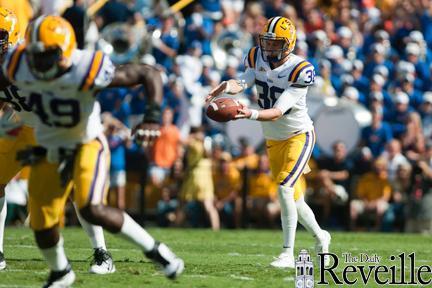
[[304, 271], [363, 269]]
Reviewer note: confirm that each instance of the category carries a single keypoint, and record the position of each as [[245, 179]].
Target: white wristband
[[254, 114]]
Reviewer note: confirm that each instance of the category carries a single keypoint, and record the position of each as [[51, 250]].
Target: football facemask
[[273, 49], [44, 64]]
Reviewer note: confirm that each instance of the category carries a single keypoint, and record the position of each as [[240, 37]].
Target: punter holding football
[[282, 80]]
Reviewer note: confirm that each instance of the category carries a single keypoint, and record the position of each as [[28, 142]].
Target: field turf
[[227, 259]]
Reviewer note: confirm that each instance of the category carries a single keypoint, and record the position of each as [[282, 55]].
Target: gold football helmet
[[50, 42], [9, 29], [277, 40]]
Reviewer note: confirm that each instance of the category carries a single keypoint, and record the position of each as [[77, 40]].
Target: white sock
[[136, 234], [94, 232], [3, 212], [288, 217], [55, 256], [307, 218]]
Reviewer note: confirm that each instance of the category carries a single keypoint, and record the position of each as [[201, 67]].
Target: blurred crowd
[[377, 54]]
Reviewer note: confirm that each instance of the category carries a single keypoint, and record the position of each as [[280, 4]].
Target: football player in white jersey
[[61, 82], [16, 133], [282, 79]]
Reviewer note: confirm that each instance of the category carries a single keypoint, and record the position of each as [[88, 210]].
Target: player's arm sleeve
[[99, 74], [248, 77], [303, 75], [289, 98], [105, 75]]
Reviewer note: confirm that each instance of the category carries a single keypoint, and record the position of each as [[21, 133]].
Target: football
[[223, 109]]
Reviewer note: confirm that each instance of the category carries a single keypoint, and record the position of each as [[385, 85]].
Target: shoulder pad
[[251, 57], [99, 72], [12, 62], [303, 74]]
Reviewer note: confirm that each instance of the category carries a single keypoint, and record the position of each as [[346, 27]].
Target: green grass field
[[224, 259]]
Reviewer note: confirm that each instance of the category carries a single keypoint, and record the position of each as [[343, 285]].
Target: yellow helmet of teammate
[[9, 29], [277, 39], [50, 42]]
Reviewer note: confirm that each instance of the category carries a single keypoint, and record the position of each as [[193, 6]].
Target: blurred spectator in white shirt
[[394, 157]]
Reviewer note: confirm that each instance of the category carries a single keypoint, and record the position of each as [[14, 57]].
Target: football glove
[[146, 133]]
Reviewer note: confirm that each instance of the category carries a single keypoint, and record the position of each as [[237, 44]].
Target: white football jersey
[[284, 87], [17, 101], [66, 106]]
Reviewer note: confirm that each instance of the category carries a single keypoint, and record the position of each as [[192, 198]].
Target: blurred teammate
[[61, 82], [16, 133], [282, 80]]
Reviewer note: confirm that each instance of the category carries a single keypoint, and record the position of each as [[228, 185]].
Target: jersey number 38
[[267, 95]]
